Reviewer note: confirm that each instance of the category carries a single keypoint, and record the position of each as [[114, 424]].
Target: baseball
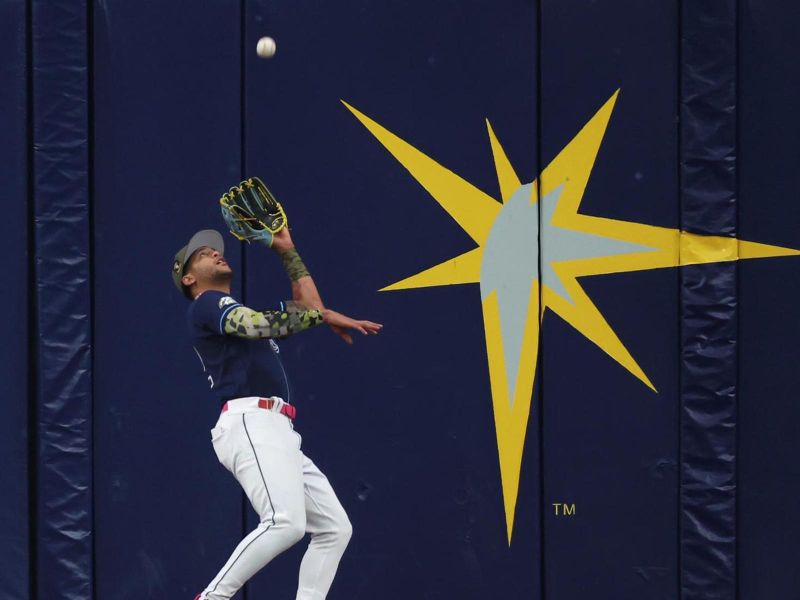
[[266, 47]]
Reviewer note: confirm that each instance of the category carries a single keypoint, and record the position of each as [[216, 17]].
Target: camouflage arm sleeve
[[248, 323], [293, 264]]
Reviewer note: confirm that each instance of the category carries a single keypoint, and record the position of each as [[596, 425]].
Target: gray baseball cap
[[205, 237]]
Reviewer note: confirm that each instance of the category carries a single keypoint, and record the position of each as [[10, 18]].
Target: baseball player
[[254, 437]]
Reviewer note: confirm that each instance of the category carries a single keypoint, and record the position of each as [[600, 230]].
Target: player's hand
[[342, 333], [342, 324], [282, 241]]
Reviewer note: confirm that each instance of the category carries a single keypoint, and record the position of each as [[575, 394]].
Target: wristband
[[293, 264]]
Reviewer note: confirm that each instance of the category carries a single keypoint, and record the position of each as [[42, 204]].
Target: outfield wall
[[592, 397]]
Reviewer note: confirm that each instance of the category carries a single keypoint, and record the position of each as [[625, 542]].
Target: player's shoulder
[[215, 299], [209, 305], [207, 312], [222, 300]]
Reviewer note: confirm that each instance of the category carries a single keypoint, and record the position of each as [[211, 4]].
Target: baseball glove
[[252, 213]]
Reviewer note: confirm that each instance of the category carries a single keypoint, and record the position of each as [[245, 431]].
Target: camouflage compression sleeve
[[248, 323], [293, 264]]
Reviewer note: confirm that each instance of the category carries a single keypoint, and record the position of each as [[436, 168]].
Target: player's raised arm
[[304, 290]]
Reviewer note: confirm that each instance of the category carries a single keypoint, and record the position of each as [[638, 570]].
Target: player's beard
[[222, 277]]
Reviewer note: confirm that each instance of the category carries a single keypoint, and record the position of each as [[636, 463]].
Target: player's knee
[[343, 531], [294, 532], [290, 527], [294, 528]]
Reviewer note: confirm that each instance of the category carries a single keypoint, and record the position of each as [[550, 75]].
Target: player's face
[[207, 264]]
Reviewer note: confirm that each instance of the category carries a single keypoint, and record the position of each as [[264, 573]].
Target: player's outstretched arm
[[305, 293]]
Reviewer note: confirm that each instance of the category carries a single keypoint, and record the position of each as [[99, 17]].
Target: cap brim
[[206, 237]]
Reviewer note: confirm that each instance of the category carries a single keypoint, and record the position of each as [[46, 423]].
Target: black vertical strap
[[708, 302], [63, 299]]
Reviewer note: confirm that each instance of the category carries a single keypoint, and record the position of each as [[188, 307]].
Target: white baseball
[[266, 47]]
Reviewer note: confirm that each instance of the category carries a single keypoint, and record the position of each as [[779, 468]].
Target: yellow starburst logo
[[532, 249]]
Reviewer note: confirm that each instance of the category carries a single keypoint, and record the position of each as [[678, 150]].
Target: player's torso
[[237, 367]]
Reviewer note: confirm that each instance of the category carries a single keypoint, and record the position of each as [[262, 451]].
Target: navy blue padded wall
[[60, 77], [768, 536], [610, 442], [167, 144], [709, 298], [402, 424], [14, 551]]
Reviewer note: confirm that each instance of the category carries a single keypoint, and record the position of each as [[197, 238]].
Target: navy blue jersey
[[235, 366]]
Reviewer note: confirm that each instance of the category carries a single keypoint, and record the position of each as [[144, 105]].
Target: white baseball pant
[[289, 493]]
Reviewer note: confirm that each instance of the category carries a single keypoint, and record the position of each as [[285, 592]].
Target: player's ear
[[188, 279]]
